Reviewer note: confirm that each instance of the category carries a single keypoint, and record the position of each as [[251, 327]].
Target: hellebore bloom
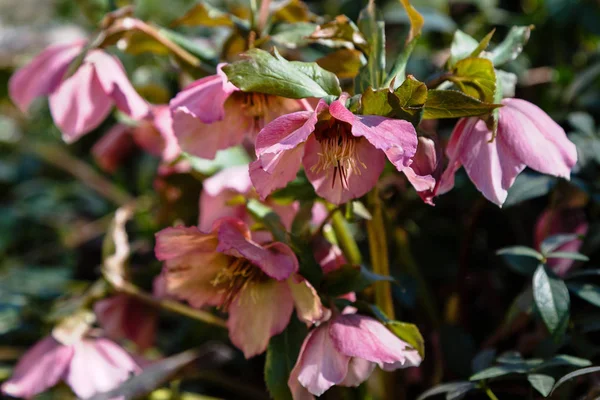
[[88, 366], [257, 284], [78, 103], [344, 351], [116, 144], [553, 222], [123, 316], [343, 154], [527, 137], [212, 114], [426, 162]]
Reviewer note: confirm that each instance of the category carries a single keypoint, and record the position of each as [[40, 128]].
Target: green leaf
[[341, 29], [398, 72], [587, 291], [416, 21], [406, 102], [529, 185], [541, 383], [345, 63], [476, 77], [261, 72], [551, 297], [512, 45], [350, 279], [499, 370], [371, 25], [454, 104], [281, 357], [568, 255], [574, 374], [555, 241], [408, 333], [204, 14], [462, 46], [449, 388], [520, 251], [225, 158], [483, 44], [292, 35], [269, 218]]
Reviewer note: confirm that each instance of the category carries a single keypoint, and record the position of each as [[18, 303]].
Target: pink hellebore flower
[[553, 222], [212, 114], [78, 103], [88, 366], [344, 351], [257, 284], [343, 154], [527, 137], [426, 162]]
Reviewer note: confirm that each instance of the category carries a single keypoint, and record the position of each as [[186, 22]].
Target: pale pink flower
[[343, 154], [559, 221], [344, 351], [257, 284], [78, 103], [112, 148], [427, 162], [123, 316], [88, 366], [527, 137], [212, 114]]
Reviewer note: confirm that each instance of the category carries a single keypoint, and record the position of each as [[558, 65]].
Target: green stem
[[489, 393], [379, 254], [345, 238]]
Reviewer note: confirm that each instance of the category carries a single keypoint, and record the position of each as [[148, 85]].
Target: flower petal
[[319, 365], [260, 311], [42, 75], [328, 185], [364, 337], [276, 260], [99, 365], [397, 138], [80, 103], [535, 139], [359, 370], [113, 78], [307, 301], [113, 147], [39, 369]]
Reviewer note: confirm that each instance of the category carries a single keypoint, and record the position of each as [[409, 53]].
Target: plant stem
[[345, 238], [379, 254], [489, 393]]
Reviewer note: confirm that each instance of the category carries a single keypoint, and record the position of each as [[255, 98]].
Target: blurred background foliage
[[56, 203]]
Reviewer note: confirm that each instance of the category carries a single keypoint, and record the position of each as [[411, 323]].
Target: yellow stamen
[[235, 278]]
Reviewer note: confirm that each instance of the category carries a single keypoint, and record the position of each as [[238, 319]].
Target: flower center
[[256, 104], [338, 151], [233, 279]]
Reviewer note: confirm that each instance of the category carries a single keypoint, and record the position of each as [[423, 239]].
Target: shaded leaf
[[292, 11], [225, 158], [520, 251], [340, 29], [205, 15], [345, 63], [350, 279], [453, 104], [574, 374], [292, 35], [551, 297], [529, 185], [499, 370], [371, 25], [406, 102], [553, 242], [568, 255], [408, 333], [512, 45], [541, 383], [462, 46], [587, 291], [462, 387], [262, 72]]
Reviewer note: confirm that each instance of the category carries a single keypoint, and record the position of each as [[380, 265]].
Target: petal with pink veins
[[42, 75], [260, 311], [42, 367]]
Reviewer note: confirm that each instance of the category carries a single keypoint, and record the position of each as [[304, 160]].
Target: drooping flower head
[[80, 102], [343, 154], [257, 284], [527, 137], [344, 351], [212, 114], [427, 162]]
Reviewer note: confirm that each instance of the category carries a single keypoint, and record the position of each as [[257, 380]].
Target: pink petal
[[180, 240], [276, 260], [164, 123], [307, 301], [397, 138], [99, 365], [234, 178], [535, 139], [359, 370], [319, 365], [203, 99], [205, 139], [113, 78], [360, 181], [329, 256], [260, 311], [39, 369], [80, 103], [113, 147], [426, 170], [42, 75], [364, 337], [274, 171]]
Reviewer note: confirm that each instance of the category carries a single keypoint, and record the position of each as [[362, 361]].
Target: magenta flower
[[554, 222], [257, 284], [88, 366], [212, 114], [527, 137], [78, 103], [427, 163], [344, 351], [343, 154], [123, 316]]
